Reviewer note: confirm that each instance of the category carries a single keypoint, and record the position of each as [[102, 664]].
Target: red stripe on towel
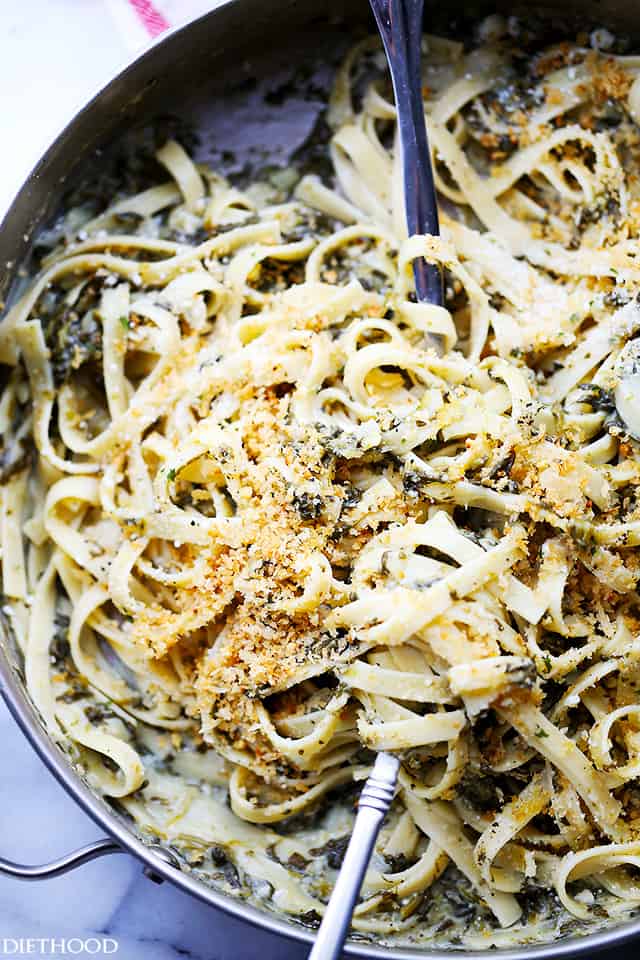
[[151, 18]]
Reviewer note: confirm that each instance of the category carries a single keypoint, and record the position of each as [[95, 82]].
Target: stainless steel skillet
[[228, 74]]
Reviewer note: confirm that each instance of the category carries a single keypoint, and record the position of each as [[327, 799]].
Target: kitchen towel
[[140, 21]]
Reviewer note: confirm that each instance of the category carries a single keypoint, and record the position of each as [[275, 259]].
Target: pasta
[[263, 514]]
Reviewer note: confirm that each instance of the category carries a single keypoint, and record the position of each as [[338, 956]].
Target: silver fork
[[400, 26]]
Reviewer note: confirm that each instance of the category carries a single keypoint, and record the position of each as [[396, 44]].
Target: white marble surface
[[53, 54]]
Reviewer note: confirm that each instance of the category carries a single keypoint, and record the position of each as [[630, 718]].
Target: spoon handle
[[373, 804], [400, 26]]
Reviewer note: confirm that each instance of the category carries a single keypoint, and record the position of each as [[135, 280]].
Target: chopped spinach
[[333, 851], [308, 505], [73, 334]]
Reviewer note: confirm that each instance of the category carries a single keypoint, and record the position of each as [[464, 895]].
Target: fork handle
[[400, 26], [373, 804]]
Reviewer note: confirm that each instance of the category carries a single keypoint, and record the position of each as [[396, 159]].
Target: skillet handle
[[46, 871]]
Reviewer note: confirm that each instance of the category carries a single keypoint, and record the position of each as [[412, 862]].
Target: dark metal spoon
[[400, 25]]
